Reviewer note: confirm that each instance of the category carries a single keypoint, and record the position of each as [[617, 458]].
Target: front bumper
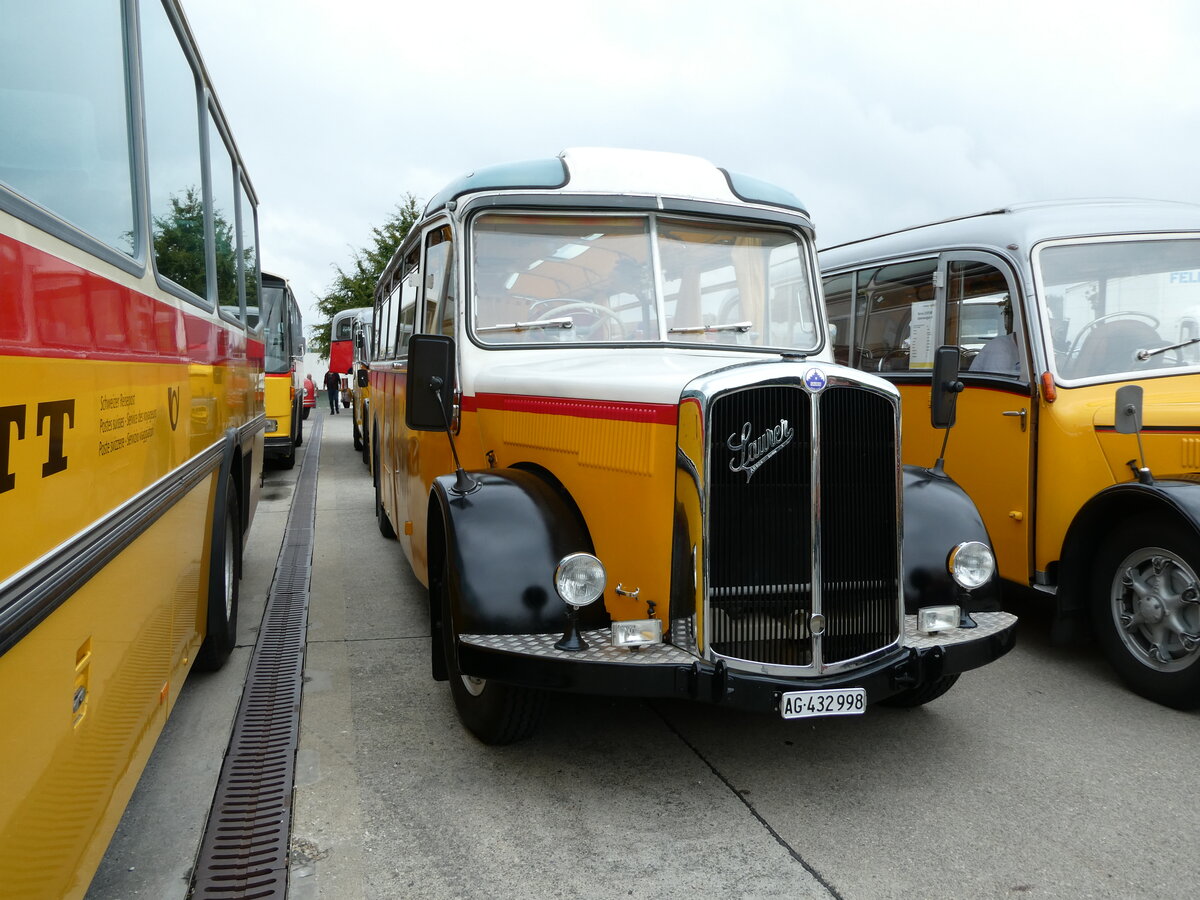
[[664, 670]]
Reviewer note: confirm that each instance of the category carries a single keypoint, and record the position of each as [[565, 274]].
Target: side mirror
[[946, 387], [1129, 409], [359, 340], [364, 377], [429, 397]]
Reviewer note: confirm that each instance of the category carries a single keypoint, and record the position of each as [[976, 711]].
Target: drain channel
[[244, 853]]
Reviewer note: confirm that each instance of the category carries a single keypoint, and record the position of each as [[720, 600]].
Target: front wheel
[[919, 696], [495, 713], [358, 441], [1145, 605]]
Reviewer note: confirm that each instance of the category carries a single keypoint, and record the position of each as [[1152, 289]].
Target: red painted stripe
[[50, 308], [613, 410]]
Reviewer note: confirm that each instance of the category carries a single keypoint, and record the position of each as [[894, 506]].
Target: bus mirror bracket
[[943, 397], [429, 395], [1127, 419]]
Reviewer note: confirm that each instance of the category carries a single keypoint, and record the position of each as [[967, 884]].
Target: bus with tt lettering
[[131, 412]]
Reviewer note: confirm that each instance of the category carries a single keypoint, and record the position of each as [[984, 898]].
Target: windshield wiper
[[743, 327], [565, 322], [1143, 355]]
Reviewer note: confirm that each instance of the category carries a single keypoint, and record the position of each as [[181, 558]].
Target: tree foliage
[[179, 250], [356, 287]]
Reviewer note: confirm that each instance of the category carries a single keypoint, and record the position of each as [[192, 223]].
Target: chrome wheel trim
[[1155, 602], [473, 685]]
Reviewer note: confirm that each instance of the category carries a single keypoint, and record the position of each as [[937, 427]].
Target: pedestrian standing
[[333, 387]]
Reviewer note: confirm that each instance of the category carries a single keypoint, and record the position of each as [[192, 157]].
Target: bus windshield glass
[[275, 330], [640, 279], [1122, 308]]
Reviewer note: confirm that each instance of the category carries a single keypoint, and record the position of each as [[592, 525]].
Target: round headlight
[[971, 564], [580, 579]]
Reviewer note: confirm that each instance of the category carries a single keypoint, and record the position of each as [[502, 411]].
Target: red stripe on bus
[[52, 308], [652, 413]]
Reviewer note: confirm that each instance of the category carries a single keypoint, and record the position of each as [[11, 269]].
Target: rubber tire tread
[[221, 635]]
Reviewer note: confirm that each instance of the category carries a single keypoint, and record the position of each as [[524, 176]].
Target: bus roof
[[1019, 226], [604, 170]]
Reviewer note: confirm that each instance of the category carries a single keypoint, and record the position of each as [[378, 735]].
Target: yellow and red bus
[[667, 487], [283, 337], [341, 348], [131, 412]]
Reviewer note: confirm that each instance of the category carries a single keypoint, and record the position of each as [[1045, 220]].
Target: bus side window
[[439, 283], [838, 292], [894, 316], [406, 316]]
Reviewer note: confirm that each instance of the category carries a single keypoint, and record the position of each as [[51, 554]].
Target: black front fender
[[938, 515], [502, 543]]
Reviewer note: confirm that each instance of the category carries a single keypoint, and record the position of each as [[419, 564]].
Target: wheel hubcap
[[474, 685], [1156, 607]]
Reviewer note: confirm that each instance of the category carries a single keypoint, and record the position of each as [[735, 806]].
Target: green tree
[[356, 287], [179, 248]]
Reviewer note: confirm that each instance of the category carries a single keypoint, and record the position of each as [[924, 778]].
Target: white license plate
[[832, 702]]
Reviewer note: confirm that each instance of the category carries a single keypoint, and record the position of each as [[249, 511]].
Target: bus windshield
[[1122, 308], [275, 330], [639, 279]]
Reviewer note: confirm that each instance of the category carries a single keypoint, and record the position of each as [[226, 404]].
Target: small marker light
[[931, 619]]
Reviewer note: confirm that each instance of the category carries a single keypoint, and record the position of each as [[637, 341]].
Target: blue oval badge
[[815, 380]]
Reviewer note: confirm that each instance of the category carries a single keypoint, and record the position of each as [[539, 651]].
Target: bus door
[[990, 450]]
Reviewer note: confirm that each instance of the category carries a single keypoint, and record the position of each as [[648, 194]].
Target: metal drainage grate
[[244, 853]]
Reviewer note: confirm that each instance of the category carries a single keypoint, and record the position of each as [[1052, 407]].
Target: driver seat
[[1111, 347]]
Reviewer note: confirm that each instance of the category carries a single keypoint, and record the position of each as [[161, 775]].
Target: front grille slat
[[760, 517]]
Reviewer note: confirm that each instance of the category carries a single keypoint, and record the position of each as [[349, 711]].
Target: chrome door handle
[[1022, 412]]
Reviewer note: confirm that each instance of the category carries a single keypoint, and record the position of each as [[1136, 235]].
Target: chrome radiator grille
[[761, 543]]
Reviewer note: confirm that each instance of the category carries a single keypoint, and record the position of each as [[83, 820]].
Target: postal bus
[[1078, 435], [341, 348], [360, 384], [283, 337], [131, 412], [667, 488]]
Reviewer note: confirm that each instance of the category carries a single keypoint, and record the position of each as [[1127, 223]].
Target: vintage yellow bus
[[1078, 433], [667, 488], [131, 412], [283, 336]]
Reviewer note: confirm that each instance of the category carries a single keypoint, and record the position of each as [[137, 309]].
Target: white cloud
[[879, 114]]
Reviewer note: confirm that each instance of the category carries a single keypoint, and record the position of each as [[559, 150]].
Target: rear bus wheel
[[1145, 605], [224, 573]]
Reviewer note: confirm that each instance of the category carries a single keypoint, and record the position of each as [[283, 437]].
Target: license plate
[[832, 702]]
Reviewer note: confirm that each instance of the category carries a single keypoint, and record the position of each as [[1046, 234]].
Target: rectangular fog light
[[938, 618], [638, 633], [272, 426]]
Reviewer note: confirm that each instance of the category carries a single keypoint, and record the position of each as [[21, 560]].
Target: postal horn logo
[[173, 406], [749, 454]]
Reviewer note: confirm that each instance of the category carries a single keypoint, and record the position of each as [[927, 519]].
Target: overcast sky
[[877, 113]]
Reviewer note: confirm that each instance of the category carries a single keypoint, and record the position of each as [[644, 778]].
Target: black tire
[[381, 517], [1145, 609], [358, 441], [306, 409], [919, 696], [299, 420], [495, 713], [288, 461], [225, 571]]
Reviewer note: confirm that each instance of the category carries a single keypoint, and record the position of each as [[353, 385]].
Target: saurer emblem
[[749, 454]]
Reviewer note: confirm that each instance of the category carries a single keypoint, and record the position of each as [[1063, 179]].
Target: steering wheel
[[1076, 344], [613, 326]]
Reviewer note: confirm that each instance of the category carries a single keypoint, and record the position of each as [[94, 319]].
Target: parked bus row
[[140, 348]]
